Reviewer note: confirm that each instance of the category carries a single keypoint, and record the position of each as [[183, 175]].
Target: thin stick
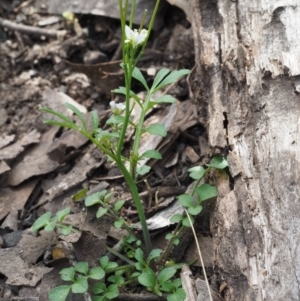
[[32, 30], [200, 255]]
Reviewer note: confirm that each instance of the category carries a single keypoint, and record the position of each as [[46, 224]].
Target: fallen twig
[[32, 30]]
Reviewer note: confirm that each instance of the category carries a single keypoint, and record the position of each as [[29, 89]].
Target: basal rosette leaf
[[59, 293], [80, 286], [60, 215], [41, 222]]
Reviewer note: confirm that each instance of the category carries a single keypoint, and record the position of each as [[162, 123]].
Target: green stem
[[123, 20], [138, 204], [124, 284], [128, 77], [133, 5], [117, 254], [120, 268], [138, 135], [179, 228], [149, 31], [101, 147]]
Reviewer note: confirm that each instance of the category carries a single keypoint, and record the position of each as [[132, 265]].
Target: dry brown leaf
[[13, 150], [37, 162], [15, 198], [6, 140], [31, 247], [17, 271]]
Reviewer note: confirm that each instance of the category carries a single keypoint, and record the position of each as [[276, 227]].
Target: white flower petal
[[135, 37], [120, 106], [128, 32], [116, 108], [112, 104]]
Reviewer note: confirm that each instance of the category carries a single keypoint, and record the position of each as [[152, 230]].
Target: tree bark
[[247, 87]]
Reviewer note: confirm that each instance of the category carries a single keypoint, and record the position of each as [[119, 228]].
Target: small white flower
[[135, 37], [117, 108]]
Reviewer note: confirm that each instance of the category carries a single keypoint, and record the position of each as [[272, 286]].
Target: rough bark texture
[[247, 86]]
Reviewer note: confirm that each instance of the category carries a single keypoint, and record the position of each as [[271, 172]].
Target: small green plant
[[53, 223], [158, 282], [79, 276], [145, 266], [111, 141], [193, 202]]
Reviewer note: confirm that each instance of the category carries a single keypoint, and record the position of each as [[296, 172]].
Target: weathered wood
[[248, 80]]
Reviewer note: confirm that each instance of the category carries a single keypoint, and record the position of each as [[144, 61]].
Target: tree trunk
[[247, 86]]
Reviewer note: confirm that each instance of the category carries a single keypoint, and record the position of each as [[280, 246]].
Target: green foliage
[[119, 222], [157, 129], [168, 99], [165, 77], [142, 170], [50, 223], [160, 283], [78, 114], [206, 191], [154, 282], [82, 267], [118, 205], [80, 286], [171, 236], [137, 74], [95, 198], [59, 293], [102, 198], [197, 172], [78, 275], [96, 273], [218, 162], [108, 293], [41, 222], [80, 195], [152, 154], [101, 211], [94, 119], [203, 192], [106, 264]]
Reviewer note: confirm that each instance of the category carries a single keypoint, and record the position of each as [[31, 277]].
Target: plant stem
[[133, 5], [120, 268], [138, 204], [117, 254], [149, 31], [138, 135], [101, 147], [179, 228], [128, 77]]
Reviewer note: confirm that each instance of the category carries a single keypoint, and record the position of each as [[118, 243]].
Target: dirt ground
[[43, 167]]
